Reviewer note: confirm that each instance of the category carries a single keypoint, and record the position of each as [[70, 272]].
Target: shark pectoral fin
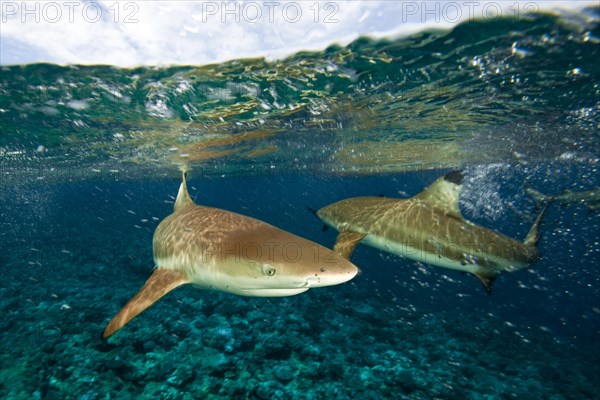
[[346, 242], [161, 282], [486, 280]]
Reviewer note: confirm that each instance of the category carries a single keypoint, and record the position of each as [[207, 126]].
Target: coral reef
[[340, 343]]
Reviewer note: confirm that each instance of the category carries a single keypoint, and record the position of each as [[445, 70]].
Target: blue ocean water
[[78, 251], [88, 173]]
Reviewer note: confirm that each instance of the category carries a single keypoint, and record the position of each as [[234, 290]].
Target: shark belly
[[469, 259], [417, 254], [207, 276]]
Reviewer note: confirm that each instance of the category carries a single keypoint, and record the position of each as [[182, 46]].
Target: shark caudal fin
[[533, 235], [183, 197], [161, 282], [538, 197]]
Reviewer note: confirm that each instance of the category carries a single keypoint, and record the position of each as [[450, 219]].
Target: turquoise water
[[90, 160]]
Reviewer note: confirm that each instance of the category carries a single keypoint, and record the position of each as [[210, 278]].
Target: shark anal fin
[[161, 282], [487, 281], [346, 243]]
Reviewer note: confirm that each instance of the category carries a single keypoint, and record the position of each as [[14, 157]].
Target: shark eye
[[268, 269]]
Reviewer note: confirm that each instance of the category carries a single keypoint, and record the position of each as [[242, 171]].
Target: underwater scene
[[410, 218]]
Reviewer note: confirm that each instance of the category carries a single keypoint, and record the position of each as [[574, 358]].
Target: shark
[[216, 249], [589, 198], [430, 228]]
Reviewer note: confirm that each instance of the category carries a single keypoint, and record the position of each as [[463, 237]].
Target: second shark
[[430, 228]]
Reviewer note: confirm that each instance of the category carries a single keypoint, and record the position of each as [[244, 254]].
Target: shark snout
[[304, 264], [291, 279], [332, 270], [335, 272]]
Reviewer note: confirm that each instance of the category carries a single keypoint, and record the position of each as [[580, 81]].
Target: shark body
[[588, 198], [429, 228], [221, 250]]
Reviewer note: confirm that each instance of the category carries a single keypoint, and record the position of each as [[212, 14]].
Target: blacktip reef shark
[[589, 198], [430, 228], [221, 250]]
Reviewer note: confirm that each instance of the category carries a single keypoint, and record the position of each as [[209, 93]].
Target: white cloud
[[130, 33]]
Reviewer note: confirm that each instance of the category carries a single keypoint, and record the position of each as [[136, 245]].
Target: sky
[[132, 33]]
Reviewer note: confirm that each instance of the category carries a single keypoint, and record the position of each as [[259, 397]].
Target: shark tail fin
[[538, 197], [183, 197], [533, 235], [161, 282]]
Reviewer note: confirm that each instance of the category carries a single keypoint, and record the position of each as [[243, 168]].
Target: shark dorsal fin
[[443, 194], [183, 197]]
